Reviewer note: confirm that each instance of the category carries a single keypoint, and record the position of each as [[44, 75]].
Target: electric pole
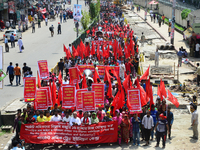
[[173, 22], [145, 15]]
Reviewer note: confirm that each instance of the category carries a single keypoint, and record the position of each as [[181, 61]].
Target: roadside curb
[[9, 144], [190, 62], [2, 108]]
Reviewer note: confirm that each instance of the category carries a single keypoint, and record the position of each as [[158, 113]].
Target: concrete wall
[[166, 10]]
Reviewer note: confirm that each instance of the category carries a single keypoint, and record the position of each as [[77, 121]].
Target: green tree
[[85, 20], [92, 11], [184, 13]]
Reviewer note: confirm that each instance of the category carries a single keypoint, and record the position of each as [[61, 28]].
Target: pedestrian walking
[[12, 40], [46, 21], [139, 8], [39, 23], [161, 129], [61, 66], [33, 27], [60, 17], [157, 57], [197, 46], [170, 119], [195, 122], [20, 44], [147, 123], [141, 118], [17, 71], [154, 17], [51, 30], [136, 129], [151, 15], [142, 39], [154, 114], [59, 28], [10, 72], [6, 44], [169, 30], [198, 74], [25, 70], [180, 56], [159, 21], [163, 19]]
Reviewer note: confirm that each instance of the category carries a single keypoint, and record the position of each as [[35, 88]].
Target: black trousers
[[11, 77], [33, 29], [59, 31], [198, 79], [147, 133], [160, 135], [169, 130], [12, 43], [197, 54]]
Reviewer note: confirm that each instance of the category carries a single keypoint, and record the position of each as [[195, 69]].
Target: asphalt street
[[38, 46]]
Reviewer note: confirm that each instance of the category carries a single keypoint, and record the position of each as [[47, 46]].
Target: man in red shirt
[[80, 114], [128, 66], [30, 118]]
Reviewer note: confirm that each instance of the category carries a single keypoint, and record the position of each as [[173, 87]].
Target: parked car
[[17, 34], [58, 4]]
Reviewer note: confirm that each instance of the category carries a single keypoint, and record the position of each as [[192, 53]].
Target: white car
[[17, 34]]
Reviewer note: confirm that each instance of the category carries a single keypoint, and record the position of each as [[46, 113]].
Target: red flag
[[162, 89], [120, 51], [38, 79], [68, 54], [84, 82], [126, 83], [96, 76], [142, 94], [65, 50], [93, 49], [88, 31], [149, 92], [74, 51], [145, 75], [60, 77], [158, 91], [108, 52], [109, 93], [173, 99], [43, 16], [54, 94], [128, 104], [98, 53], [59, 95], [77, 85]]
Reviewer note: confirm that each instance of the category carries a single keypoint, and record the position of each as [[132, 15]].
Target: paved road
[[38, 46]]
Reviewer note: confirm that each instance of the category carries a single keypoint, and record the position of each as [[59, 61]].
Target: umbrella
[[153, 2]]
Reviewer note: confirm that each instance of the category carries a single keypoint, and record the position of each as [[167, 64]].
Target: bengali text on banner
[[29, 88], [79, 103], [74, 75], [88, 99], [42, 99], [68, 93], [99, 94], [134, 98], [43, 69]]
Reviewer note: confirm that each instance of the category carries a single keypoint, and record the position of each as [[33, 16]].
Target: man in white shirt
[[195, 122], [122, 70], [85, 120], [67, 118], [75, 120], [66, 80], [46, 21], [197, 50], [147, 124], [56, 117], [156, 58]]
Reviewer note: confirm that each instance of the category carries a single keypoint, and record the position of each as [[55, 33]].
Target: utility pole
[[173, 22], [145, 15], [77, 1]]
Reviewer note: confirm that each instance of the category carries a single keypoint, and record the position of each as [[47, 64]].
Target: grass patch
[[176, 25], [2, 133]]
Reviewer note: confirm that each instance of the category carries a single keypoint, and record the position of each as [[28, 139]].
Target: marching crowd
[[155, 121]]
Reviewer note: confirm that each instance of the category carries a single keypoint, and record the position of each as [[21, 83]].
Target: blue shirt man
[[10, 71], [12, 38], [180, 53], [154, 114], [6, 40], [136, 129]]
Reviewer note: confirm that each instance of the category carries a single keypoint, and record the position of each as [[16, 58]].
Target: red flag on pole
[[149, 92], [126, 83], [84, 82], [93, 49], [173, 99], [60, 78], [77, 85], [53, 92], [96, 76], [162, 89], [145, 75], [38, 79], [142, 94]]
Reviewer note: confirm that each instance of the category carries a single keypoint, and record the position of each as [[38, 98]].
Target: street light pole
[[145, 15], [173, 22]]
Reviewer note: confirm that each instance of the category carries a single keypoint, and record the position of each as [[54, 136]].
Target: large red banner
[[29, 88], [79, 103], [101, 69], [49, 95], [42, 99], [88, 99], [43, 69], [74, 75], [134, 98], [99, 94], [58, 132], [68, 93]]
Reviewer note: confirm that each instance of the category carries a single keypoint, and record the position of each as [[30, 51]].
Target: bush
[[184, 13], [85, 20]]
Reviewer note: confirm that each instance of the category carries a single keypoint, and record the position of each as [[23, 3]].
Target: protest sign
[[68, 93], [74, 75], [63, 133], [49, 95], [88, 99], [42, 99], [43, 69], [77, 13], [29, 88], [99, 94], [79, 103], [134, 98]]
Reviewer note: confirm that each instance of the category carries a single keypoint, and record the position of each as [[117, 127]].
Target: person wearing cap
[[85, 120], [118, 118], [56, 116], [147, 124], [195, 122], [59, 28], [160, 129], [136, 129], [17, 145], [154, 114], [20, 44], [170, 119]]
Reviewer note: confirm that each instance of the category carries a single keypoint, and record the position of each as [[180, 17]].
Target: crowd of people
[[156, 119]]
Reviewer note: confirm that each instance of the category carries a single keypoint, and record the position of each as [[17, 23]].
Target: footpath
[[163, 32]]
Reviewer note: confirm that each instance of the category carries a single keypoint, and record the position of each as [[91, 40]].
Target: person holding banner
[[74, 121], [56, 117], [94, 119], [67, 118], [85, 120], [41, 118], [107, 118], [118, 118]]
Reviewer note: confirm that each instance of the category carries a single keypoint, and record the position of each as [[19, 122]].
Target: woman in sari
[[118, 118], [94, 119], [126, 128]]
